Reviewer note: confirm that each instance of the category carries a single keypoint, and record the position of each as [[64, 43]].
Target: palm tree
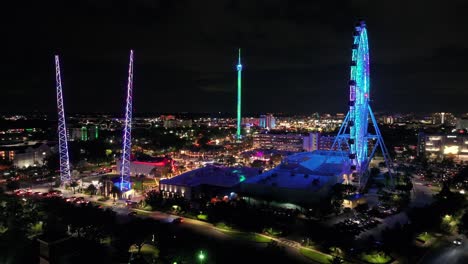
[[73, 185], [91, 189], [115, 191], [104, 181], [337, 260]]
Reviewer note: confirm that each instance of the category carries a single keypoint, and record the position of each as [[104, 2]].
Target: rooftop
[[306, 170], [213, 175]]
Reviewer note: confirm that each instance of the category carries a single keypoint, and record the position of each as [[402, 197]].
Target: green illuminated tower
[[239, 93]]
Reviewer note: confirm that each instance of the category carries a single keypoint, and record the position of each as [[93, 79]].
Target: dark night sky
[[296, 54]]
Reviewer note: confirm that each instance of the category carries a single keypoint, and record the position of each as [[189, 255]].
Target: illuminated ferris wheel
[[353, 135]]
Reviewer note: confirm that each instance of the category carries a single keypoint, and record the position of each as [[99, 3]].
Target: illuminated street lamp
[[201, 256]]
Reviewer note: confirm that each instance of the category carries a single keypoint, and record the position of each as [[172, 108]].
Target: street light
[[201, 256]]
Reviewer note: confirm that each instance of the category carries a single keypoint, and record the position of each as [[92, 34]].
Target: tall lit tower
[[62, 128], [127, 134], [239, 96]]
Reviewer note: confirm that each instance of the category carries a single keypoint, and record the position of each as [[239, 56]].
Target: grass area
[[252, 237], [222, 225], [3, 229], [202, 217], [376, 257], [106, 241], [272, 232], [103, 199], [425, 237], [142, 212], [148, 250], [435, 189], [36, 229], [147, 208], [316, 256]]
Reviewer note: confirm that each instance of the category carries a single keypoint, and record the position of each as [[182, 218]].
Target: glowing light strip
[[239, 93], [127, 135], [432, 149], [62, 127]]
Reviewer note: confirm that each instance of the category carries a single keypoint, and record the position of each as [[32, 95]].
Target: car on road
[[131, 204], [178, 220], [458, 241], [70, 199], [132, 213]]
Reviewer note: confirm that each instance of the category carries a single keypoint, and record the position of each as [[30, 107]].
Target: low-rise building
[[301, 179], [150, 167], [206, 182], [25, 155]]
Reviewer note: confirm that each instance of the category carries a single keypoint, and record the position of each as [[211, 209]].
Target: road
[[447, 253]]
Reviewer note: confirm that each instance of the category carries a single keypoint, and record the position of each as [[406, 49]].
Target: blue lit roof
[[306, 170]]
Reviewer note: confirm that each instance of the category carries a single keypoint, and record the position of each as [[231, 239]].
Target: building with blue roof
[[302, 178]]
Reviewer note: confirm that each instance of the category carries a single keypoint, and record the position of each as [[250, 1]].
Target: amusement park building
[[302, 178], [153, 168], [208, 182]]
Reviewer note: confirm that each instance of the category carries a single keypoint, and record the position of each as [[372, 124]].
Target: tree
[[337, 260], [257, 164], [12, 185], [105, 184], [230, 160], [276, 159], [137, 233], [52, 162], [154, 199], [115, 191], [73, 185], [91, 189], [464, 223]]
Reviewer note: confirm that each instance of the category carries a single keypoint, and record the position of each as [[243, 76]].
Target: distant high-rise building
[[84, 133], [443, 145], [311, 142], [250, 121], [462, 123], [388, 120], [267, 121], [284, 142], [443, 118]]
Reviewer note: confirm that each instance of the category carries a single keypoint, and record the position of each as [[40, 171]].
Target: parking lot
[[356, 224]]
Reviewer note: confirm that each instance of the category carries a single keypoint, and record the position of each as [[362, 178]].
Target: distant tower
[[62, 128], [127, 134], [239, 96]]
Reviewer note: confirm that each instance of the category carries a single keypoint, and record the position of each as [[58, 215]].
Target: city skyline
[[296, 57]]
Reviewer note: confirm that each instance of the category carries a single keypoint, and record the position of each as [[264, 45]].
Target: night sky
[[296, 54]]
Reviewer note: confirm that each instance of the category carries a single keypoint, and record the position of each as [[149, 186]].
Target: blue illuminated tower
[[239, 98], [62, 128], [353, 135], [127, 133]]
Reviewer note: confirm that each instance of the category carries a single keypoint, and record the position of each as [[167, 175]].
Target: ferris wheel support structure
[[353, 136]]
